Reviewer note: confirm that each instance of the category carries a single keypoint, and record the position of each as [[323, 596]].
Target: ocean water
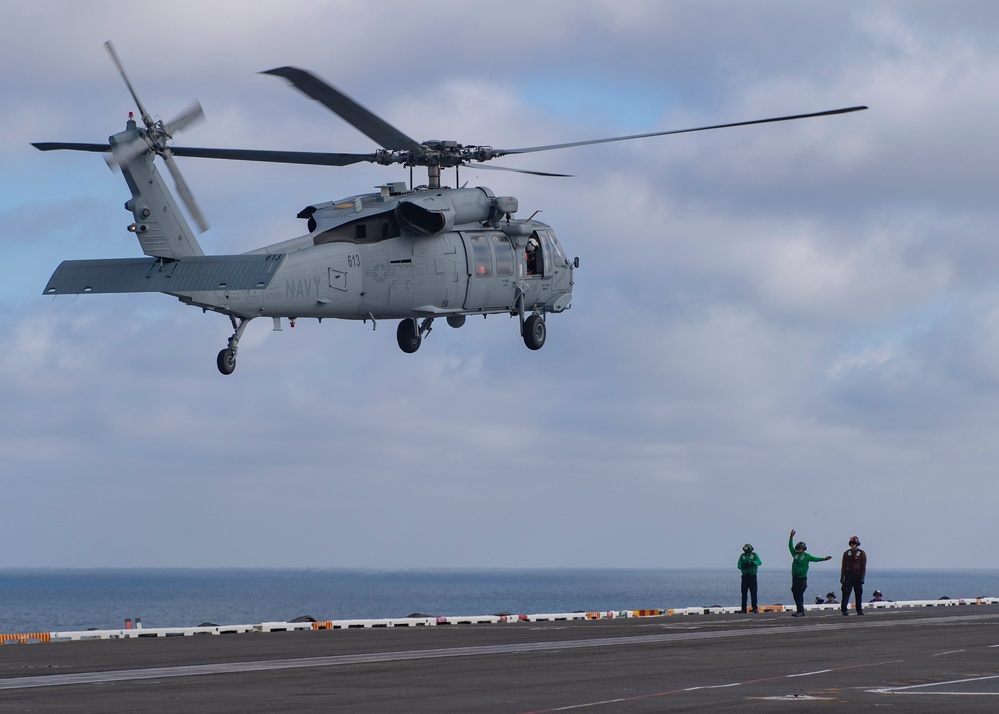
[[63, 600]]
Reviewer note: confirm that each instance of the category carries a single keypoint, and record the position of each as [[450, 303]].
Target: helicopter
[[406, 253]]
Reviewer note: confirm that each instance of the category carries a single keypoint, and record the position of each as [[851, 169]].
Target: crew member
[[748, 564], [532, 256], [851, 575], [799, 572]]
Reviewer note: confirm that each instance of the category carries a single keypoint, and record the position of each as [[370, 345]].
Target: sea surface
[[42, 600]]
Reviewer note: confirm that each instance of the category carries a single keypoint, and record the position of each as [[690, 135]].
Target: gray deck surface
[[907, 660]]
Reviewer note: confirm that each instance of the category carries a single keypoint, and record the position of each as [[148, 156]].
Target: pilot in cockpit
[[532, 256]]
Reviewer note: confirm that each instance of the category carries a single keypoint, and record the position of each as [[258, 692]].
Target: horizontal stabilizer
[[152, 275]]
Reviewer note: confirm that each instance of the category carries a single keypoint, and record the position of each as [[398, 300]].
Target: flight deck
[[911, 659]]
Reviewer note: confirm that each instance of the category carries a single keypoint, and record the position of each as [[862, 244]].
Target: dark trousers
[[856, 585], [748, 587], [798, 587]]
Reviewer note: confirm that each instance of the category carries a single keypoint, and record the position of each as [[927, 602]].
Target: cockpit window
[[558, 255]]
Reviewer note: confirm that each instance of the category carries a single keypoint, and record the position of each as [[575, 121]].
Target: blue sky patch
[[616, 104]]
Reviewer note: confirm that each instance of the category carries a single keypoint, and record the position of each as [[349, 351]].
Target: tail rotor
[[155, 138]]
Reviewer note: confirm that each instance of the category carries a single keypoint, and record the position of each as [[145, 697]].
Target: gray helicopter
[[402, 253]]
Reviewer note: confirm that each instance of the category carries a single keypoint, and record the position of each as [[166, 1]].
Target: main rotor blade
[[185, 193], [121, 70], [372, 126], [310, 158], [501, 152], [519, 171], [67, 146]]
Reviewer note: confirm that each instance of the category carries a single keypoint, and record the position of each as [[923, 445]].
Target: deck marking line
[[809, 674], [713, 686], [905, 690], [637, 697], [941, 694]]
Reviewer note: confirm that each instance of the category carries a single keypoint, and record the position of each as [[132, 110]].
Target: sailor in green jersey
[[799, 572], [748, 564]]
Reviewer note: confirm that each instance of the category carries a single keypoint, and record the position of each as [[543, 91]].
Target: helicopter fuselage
[[468, 270]]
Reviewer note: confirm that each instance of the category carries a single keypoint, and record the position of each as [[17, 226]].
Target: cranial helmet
[[854, 539], [748, 548], [800, 545]]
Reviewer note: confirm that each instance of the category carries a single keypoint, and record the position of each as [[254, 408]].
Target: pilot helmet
[[748, 548]]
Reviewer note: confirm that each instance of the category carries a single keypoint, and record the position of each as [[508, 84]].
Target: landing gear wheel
[[227, 358], [408, 335], [535, 332], [226, 361]]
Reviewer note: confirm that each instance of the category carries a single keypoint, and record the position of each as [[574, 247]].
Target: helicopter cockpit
[[544, 253]]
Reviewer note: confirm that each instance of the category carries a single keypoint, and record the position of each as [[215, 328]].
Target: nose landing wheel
[[535, 332], [408, 336], [226, 361], [410, 333]]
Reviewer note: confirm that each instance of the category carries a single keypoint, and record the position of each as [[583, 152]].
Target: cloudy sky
[[785, 326]]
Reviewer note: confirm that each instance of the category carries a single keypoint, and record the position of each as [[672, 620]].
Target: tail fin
[[161, 228]]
